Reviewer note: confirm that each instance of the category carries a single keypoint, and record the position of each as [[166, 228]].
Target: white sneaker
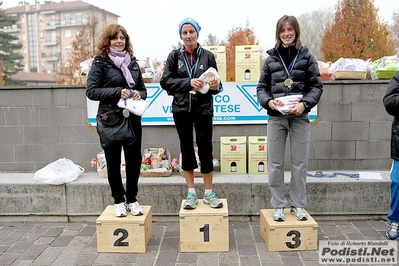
[[135, 208], [120, 209]]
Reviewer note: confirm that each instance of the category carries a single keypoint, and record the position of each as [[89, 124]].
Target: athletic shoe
[[212, 200], [135, 208], [279, 215], [191, 201], [120, 209], [299, 213], [392, 231]]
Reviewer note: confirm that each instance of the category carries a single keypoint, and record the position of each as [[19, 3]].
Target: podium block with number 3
[[204, 229], [123, 234], [289, 235]]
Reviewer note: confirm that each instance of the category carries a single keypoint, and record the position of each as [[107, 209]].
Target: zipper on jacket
[[189, 101]]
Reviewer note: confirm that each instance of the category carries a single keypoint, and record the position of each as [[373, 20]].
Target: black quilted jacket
[[305, 74], [106, 81], [391, 103]]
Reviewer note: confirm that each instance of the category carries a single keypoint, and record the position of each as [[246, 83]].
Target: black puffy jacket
[[106, 81], [391, 103], [305, 74], [175, 81]]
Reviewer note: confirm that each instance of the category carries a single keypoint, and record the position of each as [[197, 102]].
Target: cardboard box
[[247, 63], [127, 234], [233, 154], [290, 235], [257, 155], [220, 57], [204, 229]]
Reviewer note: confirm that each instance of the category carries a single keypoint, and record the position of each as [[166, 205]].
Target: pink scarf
[[122, 60]]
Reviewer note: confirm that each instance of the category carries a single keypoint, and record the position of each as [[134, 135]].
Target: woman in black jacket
[[391, 103], [289, 87], [115, 74], [191, 106]]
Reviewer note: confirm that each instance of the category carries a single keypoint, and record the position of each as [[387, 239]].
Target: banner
[[237, 103]]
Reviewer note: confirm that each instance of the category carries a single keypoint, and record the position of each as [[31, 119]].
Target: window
[[68, 49], [78, 18], [32, 43], [67, 19], [68, 33], [52, 20]]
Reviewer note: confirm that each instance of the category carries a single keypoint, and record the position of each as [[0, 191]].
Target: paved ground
[[75, 244]]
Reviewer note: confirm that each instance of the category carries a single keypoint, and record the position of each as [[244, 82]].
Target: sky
[[153, 24]]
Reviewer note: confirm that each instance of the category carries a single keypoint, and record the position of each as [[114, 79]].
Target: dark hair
[[110, 32], [295, 25]]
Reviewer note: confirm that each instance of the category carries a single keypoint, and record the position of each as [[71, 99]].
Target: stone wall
[[39, 125]]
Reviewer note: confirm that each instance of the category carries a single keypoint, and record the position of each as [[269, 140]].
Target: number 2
[[119, 242]]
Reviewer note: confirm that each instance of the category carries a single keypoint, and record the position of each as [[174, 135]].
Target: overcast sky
[[153, 24]]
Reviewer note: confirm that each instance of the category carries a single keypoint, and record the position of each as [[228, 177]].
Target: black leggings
[[203, 130], [133, 163]]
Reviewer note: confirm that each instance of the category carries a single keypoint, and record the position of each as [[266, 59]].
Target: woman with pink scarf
[[114, 75]]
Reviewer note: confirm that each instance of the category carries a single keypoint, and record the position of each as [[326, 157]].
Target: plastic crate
[[385, 74]]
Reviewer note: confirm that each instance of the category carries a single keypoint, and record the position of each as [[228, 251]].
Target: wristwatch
[[306, 104]]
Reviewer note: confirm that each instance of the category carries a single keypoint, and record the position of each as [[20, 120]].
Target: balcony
[[49, 42], [12, 29], [52, 25], [48, 25], [50, 56]]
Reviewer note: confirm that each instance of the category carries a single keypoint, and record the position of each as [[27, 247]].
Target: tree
[[237, 36], [313, 25], [211, 40], [1, 73], [176, 46], [395, 30], [356, 33], [83, 48], [9, 45]]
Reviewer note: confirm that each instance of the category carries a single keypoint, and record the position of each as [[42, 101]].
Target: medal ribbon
[[191, 75], [292, 64]]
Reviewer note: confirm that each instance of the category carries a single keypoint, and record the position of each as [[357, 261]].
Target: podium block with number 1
[[204, 229]]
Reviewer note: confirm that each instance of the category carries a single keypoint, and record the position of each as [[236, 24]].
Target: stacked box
[[204, 229], [127, 234], [233, 154], [290, 235], [247, 63], [220, 57], [257, 155]]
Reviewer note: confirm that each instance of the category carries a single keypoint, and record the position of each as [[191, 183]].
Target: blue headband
[[191, 22]]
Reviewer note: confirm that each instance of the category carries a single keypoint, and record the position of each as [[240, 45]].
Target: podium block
[[123, 234], [290, 234], [204, 229]]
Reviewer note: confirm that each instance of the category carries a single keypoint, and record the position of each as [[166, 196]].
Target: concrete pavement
[[62, 244]]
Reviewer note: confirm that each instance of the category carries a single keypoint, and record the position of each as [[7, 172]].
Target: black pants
[[203, 131], [133, 163]]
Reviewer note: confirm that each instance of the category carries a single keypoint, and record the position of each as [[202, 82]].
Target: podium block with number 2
[[123, 234], [204, 229]]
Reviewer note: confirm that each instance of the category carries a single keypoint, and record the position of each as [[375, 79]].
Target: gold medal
[[288, 82]]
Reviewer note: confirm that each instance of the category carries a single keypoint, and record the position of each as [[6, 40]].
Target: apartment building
[[47, 29]]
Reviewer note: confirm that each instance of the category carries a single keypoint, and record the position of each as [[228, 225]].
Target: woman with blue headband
[[193, 106]]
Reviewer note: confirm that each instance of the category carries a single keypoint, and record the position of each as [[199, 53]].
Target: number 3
[[295, 239]]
